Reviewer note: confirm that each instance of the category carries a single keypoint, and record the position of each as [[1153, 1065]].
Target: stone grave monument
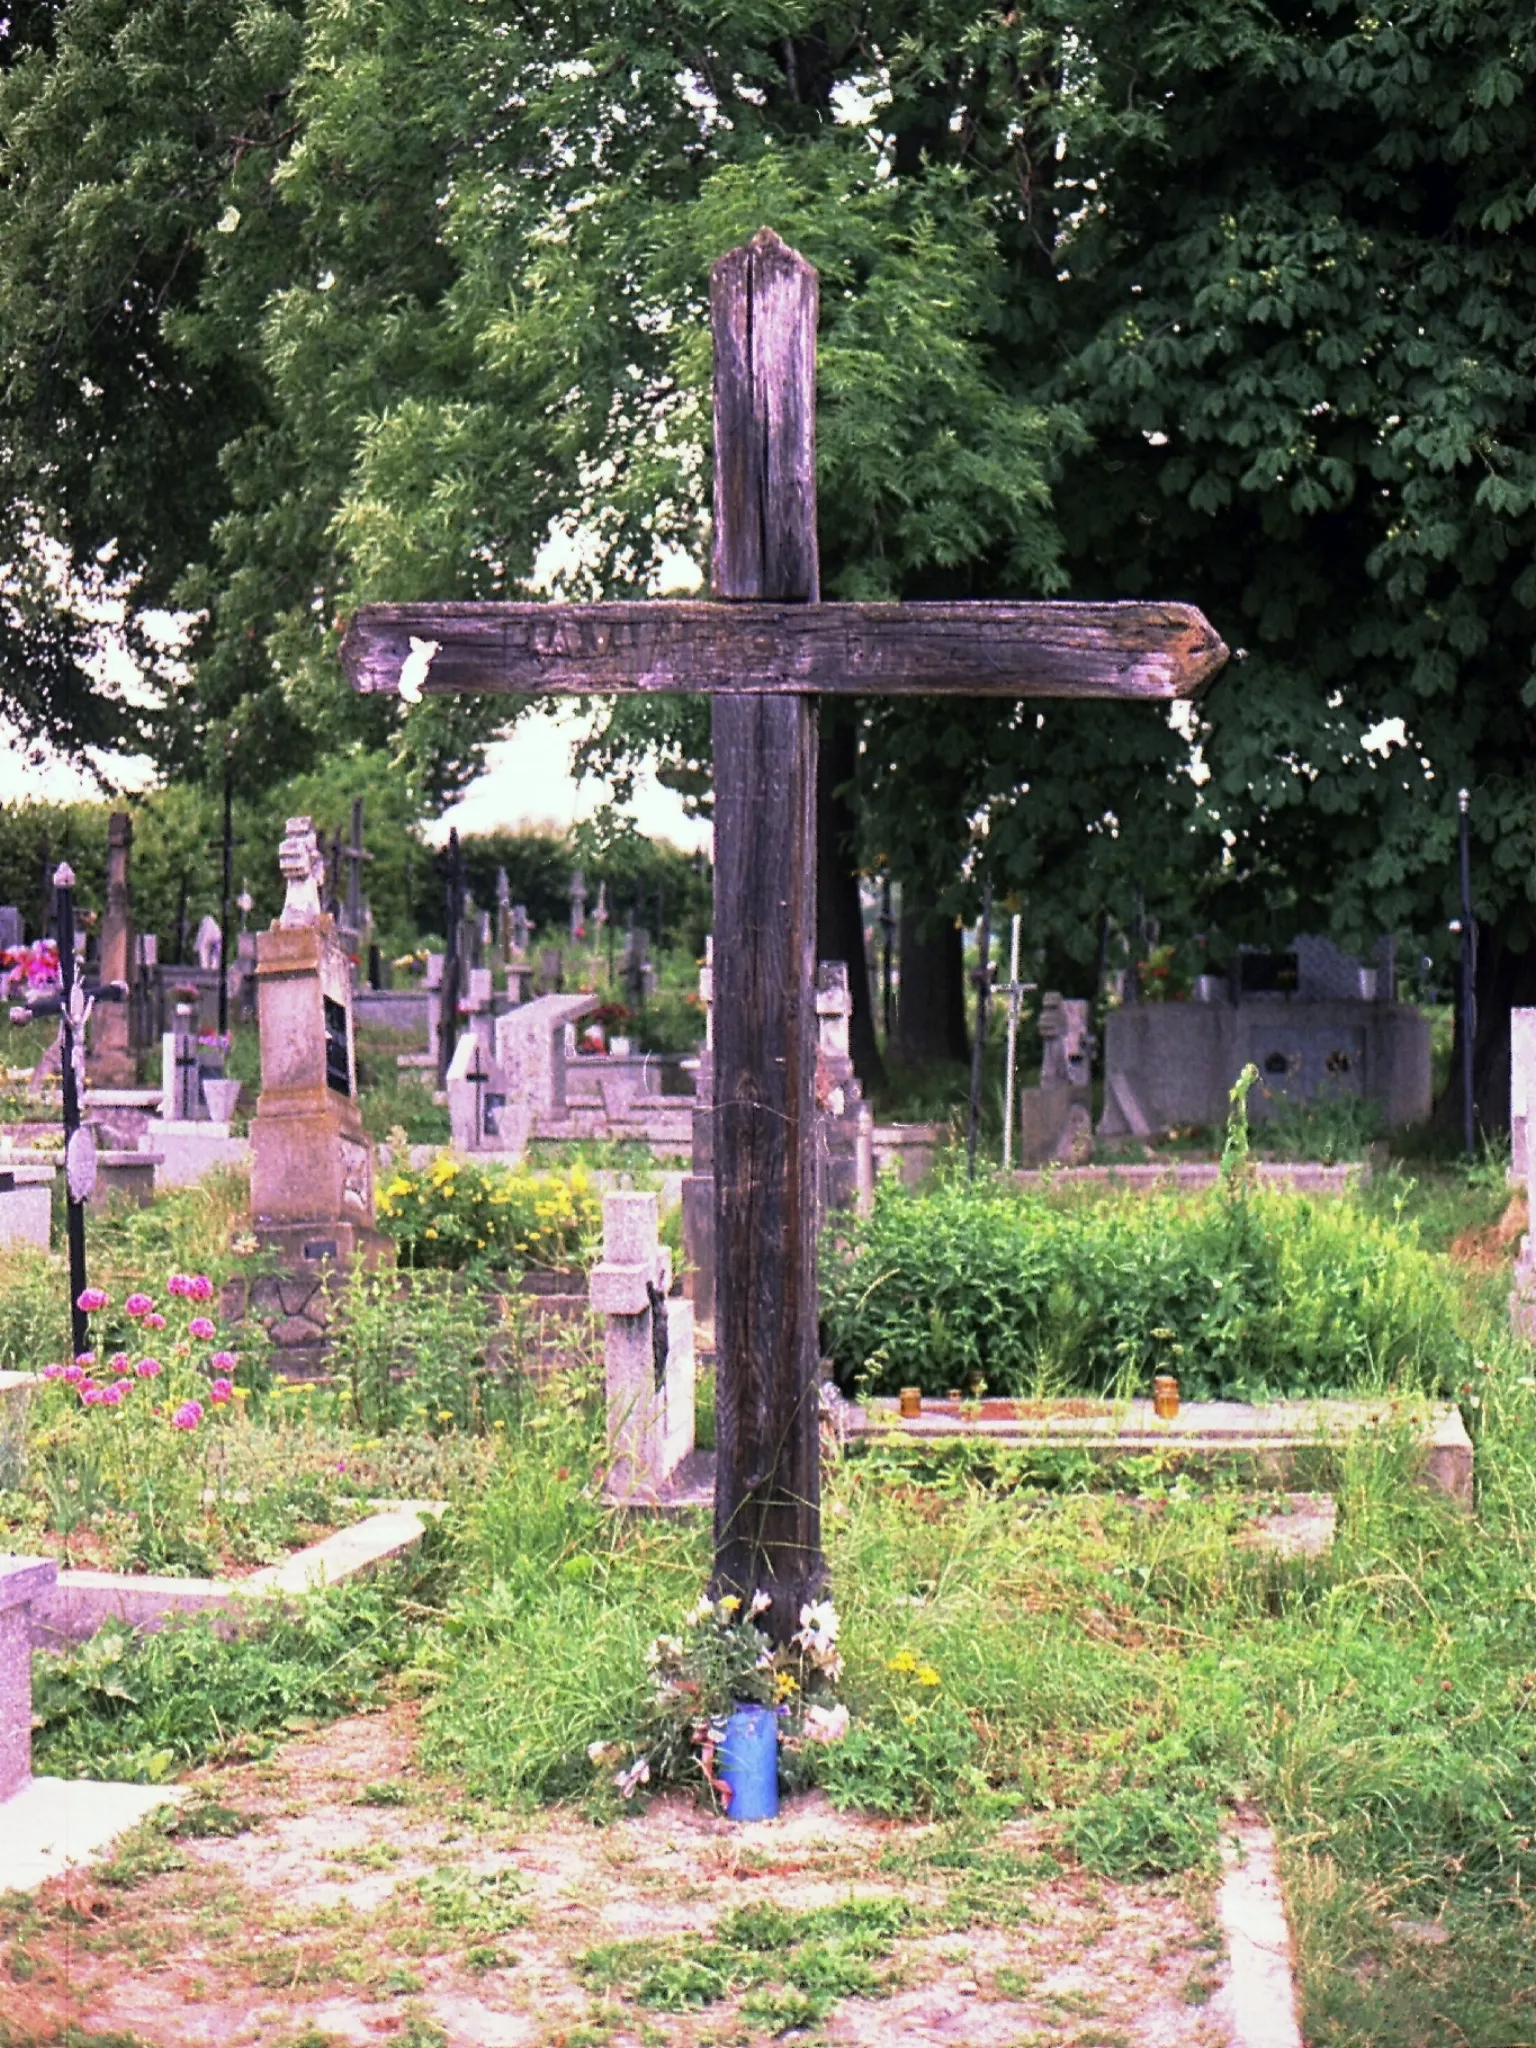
[[111, 1063], [312, 1163], [1522, 1086], [847, 1121], [1316, 1022], [181, 1092], [648, 1353], [11, 928], [26, 1197], [1056, 1118], [209, 945], [477, 1098], [532, 1053]]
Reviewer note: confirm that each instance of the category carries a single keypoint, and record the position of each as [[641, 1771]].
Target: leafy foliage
[[1262, 1296], [452, 1214]]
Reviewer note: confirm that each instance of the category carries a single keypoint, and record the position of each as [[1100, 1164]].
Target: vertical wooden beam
[[763, 301]]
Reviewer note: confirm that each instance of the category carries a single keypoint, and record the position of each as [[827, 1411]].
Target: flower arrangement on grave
[[720, 1661], [28, 969]]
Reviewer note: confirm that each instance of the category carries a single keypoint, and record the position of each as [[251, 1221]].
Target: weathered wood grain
[[1153, 651], [768, 1469], [763, 301]]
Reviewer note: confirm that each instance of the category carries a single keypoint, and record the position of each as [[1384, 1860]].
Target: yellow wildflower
[[926, 1675], [902, 1661]]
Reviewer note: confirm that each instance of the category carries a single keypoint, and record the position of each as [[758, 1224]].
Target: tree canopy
[[303, 304]]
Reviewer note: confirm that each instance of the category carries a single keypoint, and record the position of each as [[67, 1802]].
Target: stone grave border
[[80, 1602], [1300, 1177], [1274, 1435]]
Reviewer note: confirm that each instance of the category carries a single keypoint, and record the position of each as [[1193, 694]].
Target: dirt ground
[[362, 1902]]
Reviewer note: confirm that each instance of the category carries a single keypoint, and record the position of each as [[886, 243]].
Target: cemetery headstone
[[639, 974], [478, 1003], [503, 916], [764, 654], [1056, 1118], [578, 908], [11, 928], [181, 1081], [530, 1044], [1316, 1022], [312, 1163], [551, 975], [22, 1581], [476, 1097], [112, 1063], [26, 1200], [1522, 1088], [648, 1353]]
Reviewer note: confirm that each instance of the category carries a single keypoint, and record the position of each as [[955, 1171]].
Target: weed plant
[[1246, 1295], [455, 1215], [143, 1707], [428, 1351]]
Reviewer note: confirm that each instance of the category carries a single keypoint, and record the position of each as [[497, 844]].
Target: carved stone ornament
[[80, 1164], [298, 858]]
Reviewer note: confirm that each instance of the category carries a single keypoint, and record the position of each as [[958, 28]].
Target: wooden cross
[[764, 652]]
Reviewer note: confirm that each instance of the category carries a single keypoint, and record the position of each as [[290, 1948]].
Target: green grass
[[1116, 1667]]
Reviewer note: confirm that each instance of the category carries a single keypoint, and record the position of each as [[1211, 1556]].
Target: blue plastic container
[[749, 1763]]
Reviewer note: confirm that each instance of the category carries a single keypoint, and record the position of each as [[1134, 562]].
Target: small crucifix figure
[[764, 651]]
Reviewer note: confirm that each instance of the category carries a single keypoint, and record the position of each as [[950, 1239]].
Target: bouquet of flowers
[[723, 1660]]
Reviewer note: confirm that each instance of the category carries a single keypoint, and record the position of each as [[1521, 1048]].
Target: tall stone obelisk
[[311, 1160]]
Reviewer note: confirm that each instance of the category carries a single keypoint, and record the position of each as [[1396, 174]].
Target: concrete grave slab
[[57, 1824], [1271, 1434]]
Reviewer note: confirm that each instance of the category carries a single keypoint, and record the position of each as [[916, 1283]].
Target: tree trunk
[[1506, 980], [930, 1003], [839, 913]]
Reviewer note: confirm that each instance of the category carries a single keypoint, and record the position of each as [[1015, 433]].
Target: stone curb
[[81, 1602], [1258, 2000]]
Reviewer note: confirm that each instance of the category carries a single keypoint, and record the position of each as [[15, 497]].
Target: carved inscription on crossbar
[[994, 650]]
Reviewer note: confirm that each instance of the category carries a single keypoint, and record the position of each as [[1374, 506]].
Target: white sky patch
[[1386, 734], [528, 783]]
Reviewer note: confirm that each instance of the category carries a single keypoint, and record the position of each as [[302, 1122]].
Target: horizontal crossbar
[[1154, 651]]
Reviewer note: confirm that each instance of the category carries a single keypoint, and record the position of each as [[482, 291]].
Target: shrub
[[1245, 1294], [455, 1215]]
